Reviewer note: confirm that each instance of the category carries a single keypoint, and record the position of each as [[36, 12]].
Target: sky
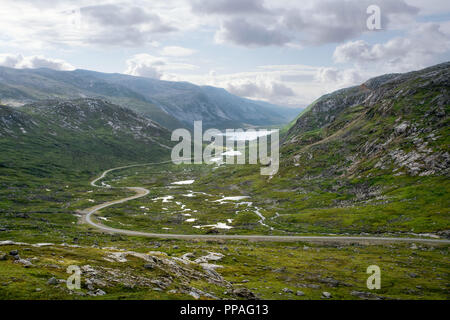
[[287, 52]]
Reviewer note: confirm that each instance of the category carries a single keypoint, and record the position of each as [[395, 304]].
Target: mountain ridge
[[76, 135], [172, 104]]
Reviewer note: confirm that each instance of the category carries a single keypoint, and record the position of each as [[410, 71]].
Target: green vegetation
[[349, 165]]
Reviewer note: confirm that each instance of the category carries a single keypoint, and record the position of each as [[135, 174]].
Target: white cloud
[[145, 65], [18, 61], [267, 90], [419, 48], [175, 51], [139, 23], [37, 24], [334, 78], [290, 85]]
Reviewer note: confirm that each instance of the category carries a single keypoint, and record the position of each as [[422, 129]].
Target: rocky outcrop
[[396, 123]]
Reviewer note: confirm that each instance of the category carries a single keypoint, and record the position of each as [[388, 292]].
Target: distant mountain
[[48, 137], [172, 104]]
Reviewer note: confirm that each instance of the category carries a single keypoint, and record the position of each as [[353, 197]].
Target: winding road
[[142, 192]]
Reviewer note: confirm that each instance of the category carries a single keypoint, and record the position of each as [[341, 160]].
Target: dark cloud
[[120, 25], [241, 32], [228, 6], [112, 15], [321, 22], [331, 21]]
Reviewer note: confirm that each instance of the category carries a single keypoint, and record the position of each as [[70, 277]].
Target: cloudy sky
[[288, 52]]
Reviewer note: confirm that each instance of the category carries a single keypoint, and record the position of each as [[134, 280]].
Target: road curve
[[142, 192]]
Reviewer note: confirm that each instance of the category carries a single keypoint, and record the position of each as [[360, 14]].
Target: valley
[[363, 180]]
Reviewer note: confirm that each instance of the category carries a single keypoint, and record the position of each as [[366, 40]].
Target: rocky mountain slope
[[368, 159], [392, 124], [172, 104], [82, 134]]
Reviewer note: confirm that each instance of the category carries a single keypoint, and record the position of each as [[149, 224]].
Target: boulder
[[244, 293], [287, 290]]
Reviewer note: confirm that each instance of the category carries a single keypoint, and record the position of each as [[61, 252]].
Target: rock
[[365, 295], [326, 295], [149, 266], [400, 129], [444, 234], [287, 290], [413, 275], [300, 293], [280, 270], [26, 263], [176, 247], [195, 295], [52, 281], [17, 257], [99, 292], [309, 285], [214, 256], [244, 293], [3, 257], [333, 282], [245, 281], [413, 246], [14, 252]]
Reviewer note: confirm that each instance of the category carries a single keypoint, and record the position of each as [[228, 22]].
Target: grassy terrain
[[360, 168], [269, 270]]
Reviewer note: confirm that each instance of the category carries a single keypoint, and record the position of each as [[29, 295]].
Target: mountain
[[172, 104], [50, 137], [373, 158], [395, 123]]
